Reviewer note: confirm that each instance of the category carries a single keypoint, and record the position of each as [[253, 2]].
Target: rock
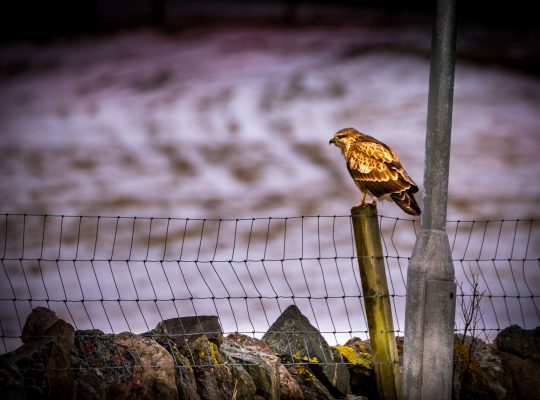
[[520, 342], [360, 365], [478, 371], [105, 369], [293, 337], [293, 362], [39, 320], [257, 359], [248, 342], [507, 370], [214, 377], [243, 384], [122, 366], [184, 330], [289, 387], [359, 345], [310, 387], [40, 368], [523, 376], [186, 383], [158, 377]]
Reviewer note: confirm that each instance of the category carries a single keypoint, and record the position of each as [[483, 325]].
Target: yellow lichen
[[213, 352], [209, 352], [364, 360], [298, 356], [301, 367], [206, 350], [304, 372]]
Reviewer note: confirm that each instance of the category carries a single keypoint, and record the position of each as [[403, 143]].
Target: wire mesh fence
[[120, 274]]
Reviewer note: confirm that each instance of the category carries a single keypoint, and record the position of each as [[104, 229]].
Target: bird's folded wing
[[373, 160], [378, 167]]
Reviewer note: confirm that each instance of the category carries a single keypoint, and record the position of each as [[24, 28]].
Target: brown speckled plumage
[[376, 169]]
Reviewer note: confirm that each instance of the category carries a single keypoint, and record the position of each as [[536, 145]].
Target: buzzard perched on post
[[376, 169]]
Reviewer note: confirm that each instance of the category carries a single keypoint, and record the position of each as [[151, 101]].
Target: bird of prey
[[376, 169]]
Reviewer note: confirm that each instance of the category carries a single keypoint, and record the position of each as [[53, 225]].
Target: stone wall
[[189, 358]]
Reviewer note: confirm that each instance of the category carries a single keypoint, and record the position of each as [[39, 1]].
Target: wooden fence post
[[377, 301]]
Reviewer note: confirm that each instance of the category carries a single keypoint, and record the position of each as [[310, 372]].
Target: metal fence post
[[377, 301], [430, 309]]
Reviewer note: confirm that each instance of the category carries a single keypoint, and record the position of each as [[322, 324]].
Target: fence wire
[[120, 274]]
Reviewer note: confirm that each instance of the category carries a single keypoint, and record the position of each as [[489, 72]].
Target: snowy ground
[[235, 123]]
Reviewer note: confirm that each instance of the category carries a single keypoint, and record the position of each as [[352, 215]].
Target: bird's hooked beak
[[332, 141]]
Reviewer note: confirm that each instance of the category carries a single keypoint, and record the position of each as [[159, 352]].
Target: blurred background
[[225, 108]]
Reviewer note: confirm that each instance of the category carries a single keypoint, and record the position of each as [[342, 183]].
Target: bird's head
[[344, 137]]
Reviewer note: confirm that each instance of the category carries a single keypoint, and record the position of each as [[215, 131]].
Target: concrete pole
[[430, 310]]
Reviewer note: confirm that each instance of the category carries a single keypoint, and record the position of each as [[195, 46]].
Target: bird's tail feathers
[[406, 201]]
